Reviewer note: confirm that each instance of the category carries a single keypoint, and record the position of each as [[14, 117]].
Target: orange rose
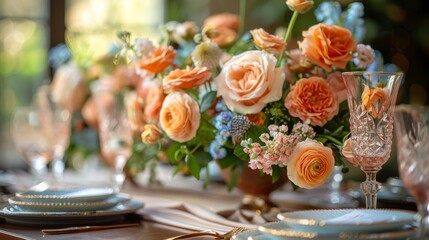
[[300, 6], [328, 45], [312, 100], [268, 42], [186, 78], [337, 83], [310, 164], [374, 101], [180, 116], [258, 118], [151, 134], [153, 101], [222, 28], [348, 153], [249, 81], [158, 61]]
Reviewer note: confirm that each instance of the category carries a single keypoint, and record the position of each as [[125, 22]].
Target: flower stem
[[288, 33], [242, 17], [332, 139]]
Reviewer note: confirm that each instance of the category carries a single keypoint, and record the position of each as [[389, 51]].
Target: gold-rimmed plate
[[347, 220], [65, 206], [87, 194]]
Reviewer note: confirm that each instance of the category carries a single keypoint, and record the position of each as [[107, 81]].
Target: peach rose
[[222, 28], [268, 42], [134, 105], [185, 78], [153, 103], [348, 153], [158, 61], [312, 100], [249, 81], [375, 101], [151, 134], [180, 116], [337, 83], [328, 45], [310, 164], [300, 6]]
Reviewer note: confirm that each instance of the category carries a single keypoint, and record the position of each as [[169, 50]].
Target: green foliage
[[207, 100]]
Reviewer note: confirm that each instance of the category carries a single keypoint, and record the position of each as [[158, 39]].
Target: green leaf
[[207, 178], [254, 132], [235, 173], [338, 132], [193, 165], [320, 139], [207, 101], [239, 152], [172, 151], [228, 161], [178, 169], [277, 172]]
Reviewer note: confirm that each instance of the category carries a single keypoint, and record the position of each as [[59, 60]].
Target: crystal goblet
[[32, 140], [115, 132], [56, 119], [412, 137], [371, 98]]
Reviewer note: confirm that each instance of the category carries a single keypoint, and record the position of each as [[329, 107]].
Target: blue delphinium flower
[[328, 12], [222, 121], [353, 20], [221, 106], [59, 55]]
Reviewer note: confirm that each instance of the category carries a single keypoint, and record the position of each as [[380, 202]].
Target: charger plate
[[87, 194], [33, 218], [281, 231], [347, 220], [65, 206]]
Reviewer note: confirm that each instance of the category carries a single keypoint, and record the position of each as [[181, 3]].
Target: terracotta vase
[[256, 188]]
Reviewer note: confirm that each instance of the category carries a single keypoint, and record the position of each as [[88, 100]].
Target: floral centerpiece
[[246, 100]]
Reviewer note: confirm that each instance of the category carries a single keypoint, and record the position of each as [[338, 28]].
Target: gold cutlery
[[226, 236], [86, 228]]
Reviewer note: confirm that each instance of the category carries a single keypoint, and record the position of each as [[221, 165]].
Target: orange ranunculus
[[134, 105], [223, 20], [312, 100], [153, 103], [337, 83], [258, 118], [375, 101], [180, 116], [300, 6], [328, 45], [158, 61], [268, 42], [249, 81], [310, 164], [185, 78], [151, 134], [222, 28], [348, 153]]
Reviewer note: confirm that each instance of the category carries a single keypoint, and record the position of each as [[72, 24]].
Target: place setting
[[68, 206]]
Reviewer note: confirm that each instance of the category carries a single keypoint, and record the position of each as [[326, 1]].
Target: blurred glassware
[[32, 140], [371, 98], [56, 119], [412, 135], [116, 137]]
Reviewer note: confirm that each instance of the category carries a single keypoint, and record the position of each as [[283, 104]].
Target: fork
[[226, 236]]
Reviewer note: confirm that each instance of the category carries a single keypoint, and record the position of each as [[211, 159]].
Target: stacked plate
[[337, 224], [74, 205]]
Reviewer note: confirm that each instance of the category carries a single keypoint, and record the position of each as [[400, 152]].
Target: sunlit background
[[28, 29]]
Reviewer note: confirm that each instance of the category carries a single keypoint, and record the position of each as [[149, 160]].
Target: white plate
[[65, 206], [81, 194], [30, 218], [280, 230], [347, 220]]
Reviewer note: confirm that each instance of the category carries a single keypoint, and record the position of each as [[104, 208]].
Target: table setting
[[276, 128]]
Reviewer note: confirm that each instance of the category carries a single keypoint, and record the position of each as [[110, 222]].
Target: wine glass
[[56, 119], [371, 98], [412, 136], [32, 140], [115, 132]]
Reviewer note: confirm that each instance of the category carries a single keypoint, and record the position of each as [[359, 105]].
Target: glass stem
[[118, 176], [423, 230], [39, 169], [370, 188]]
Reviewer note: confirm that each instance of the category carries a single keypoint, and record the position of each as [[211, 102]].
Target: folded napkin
[[197, 218]]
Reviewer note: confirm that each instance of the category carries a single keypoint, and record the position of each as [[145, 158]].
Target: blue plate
[[81, 194]]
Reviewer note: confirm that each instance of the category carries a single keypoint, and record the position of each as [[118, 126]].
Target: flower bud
[[151, 134], [300, 6]]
